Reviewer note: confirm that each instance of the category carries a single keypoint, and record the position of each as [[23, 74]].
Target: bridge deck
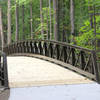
[[28, 71]]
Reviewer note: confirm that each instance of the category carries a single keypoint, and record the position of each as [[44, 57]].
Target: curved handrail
[[56, 42]]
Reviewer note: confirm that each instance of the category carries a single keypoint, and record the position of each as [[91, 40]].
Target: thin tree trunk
[[17, 20], [95, 32], [41, 16], [63, 19], [9, 22], [23, 22], [90, 8], [91, 21], [47, 20], [55, 20], [1, 29], [50, 19], [31, 20], [72, 17]]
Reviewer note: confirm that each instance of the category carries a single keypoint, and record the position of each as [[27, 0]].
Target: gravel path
[[28, 71]]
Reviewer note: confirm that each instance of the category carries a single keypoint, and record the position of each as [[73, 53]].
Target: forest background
[[73, 21]]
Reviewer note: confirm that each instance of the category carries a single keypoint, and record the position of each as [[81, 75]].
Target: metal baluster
[[73, 56], [82, 60]]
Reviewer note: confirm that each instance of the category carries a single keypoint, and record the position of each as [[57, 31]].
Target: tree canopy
[[73, 21]]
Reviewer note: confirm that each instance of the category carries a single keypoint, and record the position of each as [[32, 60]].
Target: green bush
[[86, 36]]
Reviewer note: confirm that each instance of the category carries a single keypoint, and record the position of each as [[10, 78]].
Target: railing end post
[[95, 66]]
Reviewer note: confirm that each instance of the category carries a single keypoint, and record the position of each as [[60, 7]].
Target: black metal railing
[[80, 59], [3, 71]]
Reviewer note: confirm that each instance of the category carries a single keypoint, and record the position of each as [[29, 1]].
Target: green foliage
[[85, 39], [86, 35]]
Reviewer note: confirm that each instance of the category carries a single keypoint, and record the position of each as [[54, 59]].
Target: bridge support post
[[40, 48], [73, 56], [45, 49], [65, 54], [31, 46], [36, 48], [5, 70], [96, 68], [57, 52], [82, 60], [51, 50]]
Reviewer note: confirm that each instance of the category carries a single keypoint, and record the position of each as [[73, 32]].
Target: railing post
[[36, 48], [50, 50], [24, 49], [58, 53], [32, 48], [40, 48], [45, 47], [5, 70], [21, 46], [96, 69], [73, 56], [16, 47], [28, 47], [98, 64], [65, 54], [82, 60]]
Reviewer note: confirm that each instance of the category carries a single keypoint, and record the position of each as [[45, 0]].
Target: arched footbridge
[[75, 58]]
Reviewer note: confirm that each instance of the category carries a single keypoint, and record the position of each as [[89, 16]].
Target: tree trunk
[[1, 30], [23, 22], [50, 19], [72, 17], [17, 20], [95, 33], [47, 20], [9, 21], [90, 8], [41, 16], [63, 19], [31, 20], [55, 2]]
